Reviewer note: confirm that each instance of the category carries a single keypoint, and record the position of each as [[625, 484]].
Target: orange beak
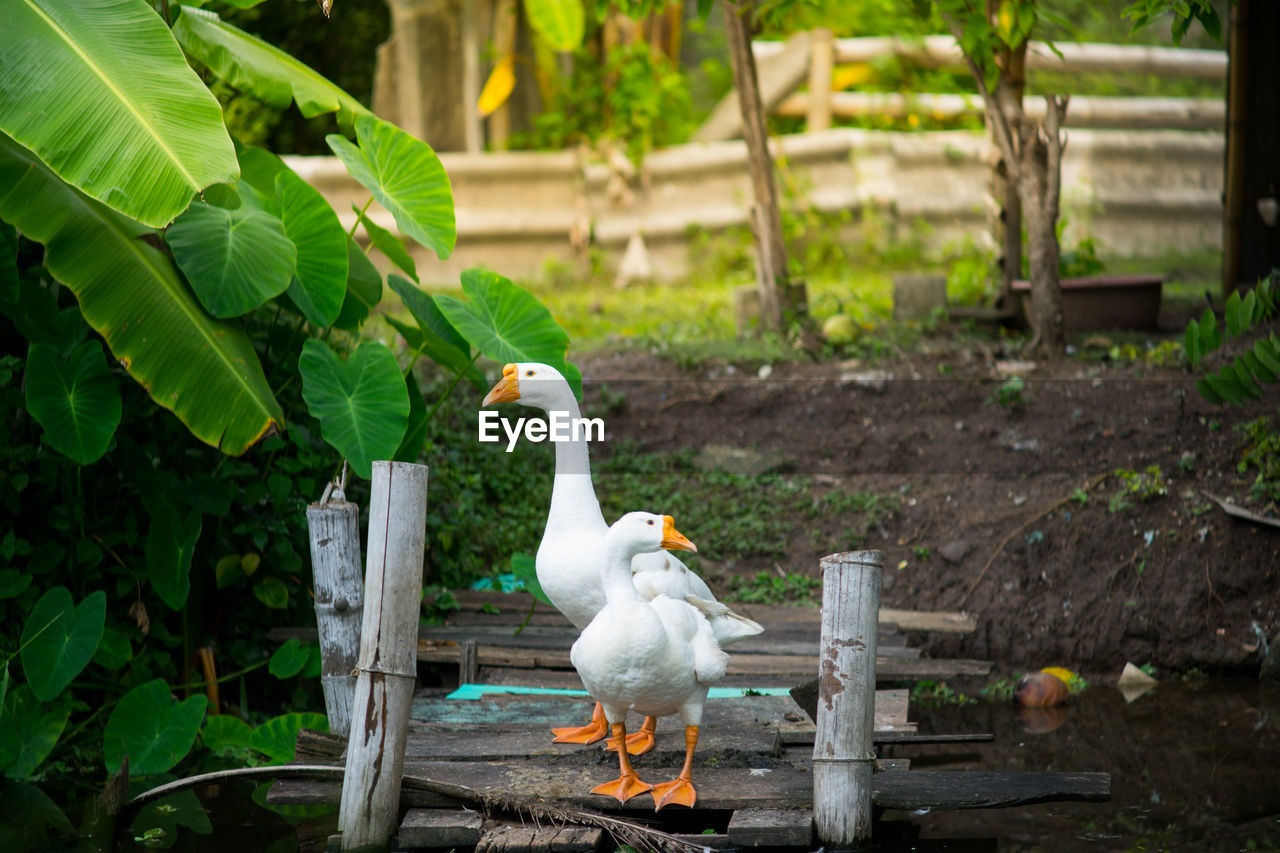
[[674, 540], [507, 389]]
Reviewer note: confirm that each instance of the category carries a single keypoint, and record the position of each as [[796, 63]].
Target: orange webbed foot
[[642, 741], [589, 733], [678, 791], [594, 731], [623, 788]]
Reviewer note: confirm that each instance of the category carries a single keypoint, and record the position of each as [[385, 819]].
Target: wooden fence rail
[[1077, 58], [811, 57]]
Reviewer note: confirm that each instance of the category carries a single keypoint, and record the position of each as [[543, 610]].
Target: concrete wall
[[1137, 193]]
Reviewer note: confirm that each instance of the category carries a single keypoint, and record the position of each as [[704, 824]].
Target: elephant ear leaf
[[320, 279], [27, 735], [60, 638], [406, 177], [235, 259], [507, 323], [74, 399], [151, 729], [171, 542], [362, 404]]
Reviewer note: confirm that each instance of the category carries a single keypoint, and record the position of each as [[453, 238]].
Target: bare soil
[[985, 520]]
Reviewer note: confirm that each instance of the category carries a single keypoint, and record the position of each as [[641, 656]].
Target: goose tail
[[727, 626]]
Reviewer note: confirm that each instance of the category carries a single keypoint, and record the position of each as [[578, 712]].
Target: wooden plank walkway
[[481, 634], [754, 758]]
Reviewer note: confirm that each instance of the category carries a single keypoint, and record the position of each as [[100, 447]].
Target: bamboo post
[[334, 527], [843, 757], [821, 68], [388, 655]]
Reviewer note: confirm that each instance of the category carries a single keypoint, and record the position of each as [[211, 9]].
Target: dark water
[[1193, 767]]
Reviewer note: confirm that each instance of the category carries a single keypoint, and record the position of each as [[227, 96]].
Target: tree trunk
[[771, 263], [1032, 153], [1042, 259]]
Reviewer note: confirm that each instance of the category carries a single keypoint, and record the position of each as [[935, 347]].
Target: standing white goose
[[658, 656], [572, 547]]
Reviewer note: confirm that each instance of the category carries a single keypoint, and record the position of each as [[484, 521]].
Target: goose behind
[[572, 547]]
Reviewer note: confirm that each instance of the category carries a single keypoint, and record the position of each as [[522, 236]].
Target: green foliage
[[766, 588], [1009, 394], [261, 69], [1143, 485], [560, 22], [631, 98], [936, 694], [343, 49], [1262, 452], [525, 569], [1238, 381], [1143, 12], [243, 319], [277, 737]]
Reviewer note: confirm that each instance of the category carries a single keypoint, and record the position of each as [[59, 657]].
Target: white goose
[[658, 656], [572, 548]]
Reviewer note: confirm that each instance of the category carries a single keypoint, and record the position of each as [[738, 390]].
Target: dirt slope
[[986, 489]]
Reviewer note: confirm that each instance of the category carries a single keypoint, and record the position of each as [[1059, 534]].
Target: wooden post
[[388, 655], [820, 72], [334, 527], [843, 757]]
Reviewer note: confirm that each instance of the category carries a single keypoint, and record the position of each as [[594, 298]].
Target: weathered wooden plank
[[508, 838], [800, 738], [977, 789], [440, 828], [937, 622], [709, 841], [770, 785], [791, 617], [554, 638], [778, 77], [771, 828], [499, 743], [553, 709], [888, 667]]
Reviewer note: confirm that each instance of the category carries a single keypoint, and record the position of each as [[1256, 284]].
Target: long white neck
[[573, 497], [619, 589]]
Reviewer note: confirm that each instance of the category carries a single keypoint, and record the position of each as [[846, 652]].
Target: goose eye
[[651, 522], [528, 373]]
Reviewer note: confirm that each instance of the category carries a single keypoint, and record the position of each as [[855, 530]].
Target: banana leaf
[[203, 370], [102, 94]]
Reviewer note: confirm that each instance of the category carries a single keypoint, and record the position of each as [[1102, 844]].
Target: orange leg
[[627, 785], [593, 731], [642, 741], [680, 789]]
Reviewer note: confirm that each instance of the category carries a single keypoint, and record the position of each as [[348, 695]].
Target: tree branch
[[1000, 128], [1055, 144]]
